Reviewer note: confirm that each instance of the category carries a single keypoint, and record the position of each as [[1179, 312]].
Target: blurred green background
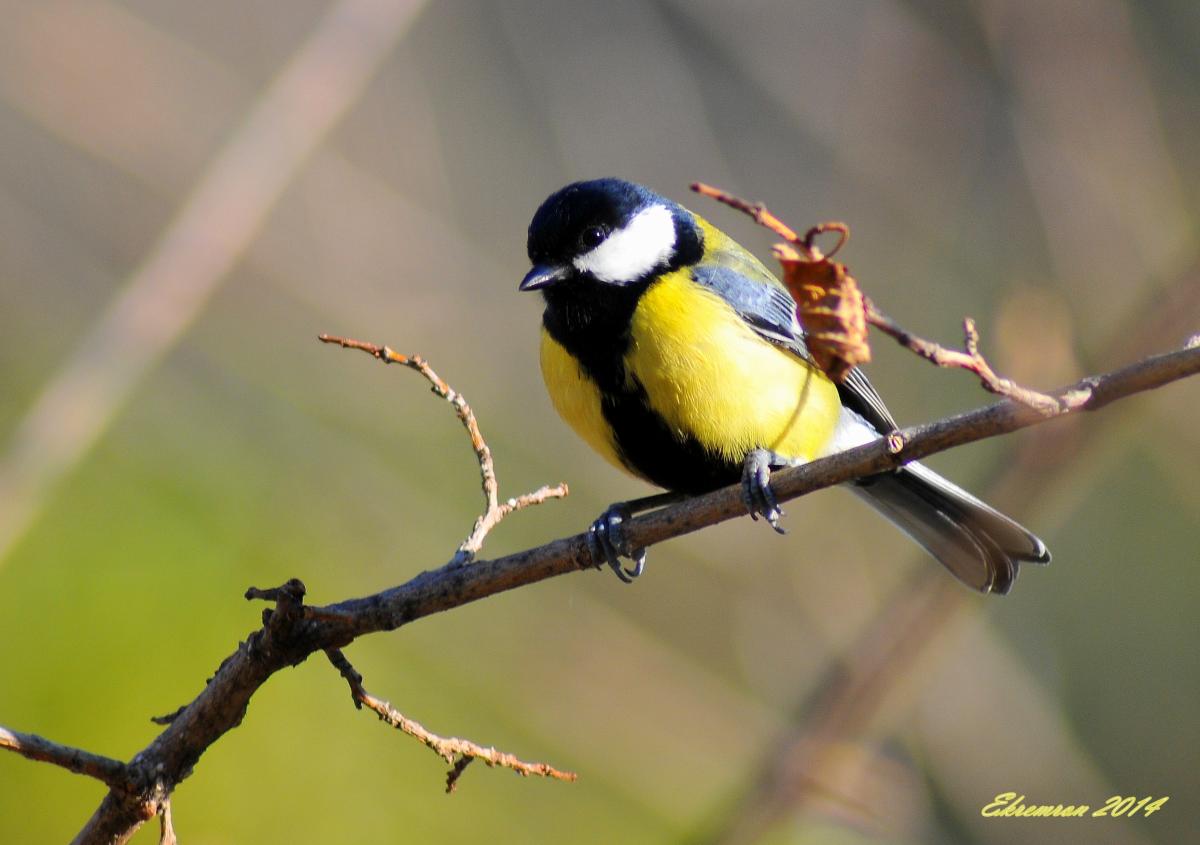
[[171, 432]]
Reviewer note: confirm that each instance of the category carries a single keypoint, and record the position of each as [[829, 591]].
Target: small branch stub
[[455, 773], [166, 829], [34, 747]]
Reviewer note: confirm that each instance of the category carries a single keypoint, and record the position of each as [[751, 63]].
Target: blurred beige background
[[190, 192]]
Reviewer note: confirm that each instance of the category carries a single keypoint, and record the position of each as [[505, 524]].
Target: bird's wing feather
[[759, 299], [860, 396], [767, 308]]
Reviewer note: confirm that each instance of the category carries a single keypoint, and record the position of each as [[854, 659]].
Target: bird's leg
[[606, 536], [756, 485]]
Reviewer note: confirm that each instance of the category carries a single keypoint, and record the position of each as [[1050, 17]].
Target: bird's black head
[[608, 231]]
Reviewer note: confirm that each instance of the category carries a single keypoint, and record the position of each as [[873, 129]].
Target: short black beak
[[543, 275]]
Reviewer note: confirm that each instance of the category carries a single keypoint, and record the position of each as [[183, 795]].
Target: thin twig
[[494, 510], [763, 216], [110, 771], [757, 210], [456, 752], [970, 359]]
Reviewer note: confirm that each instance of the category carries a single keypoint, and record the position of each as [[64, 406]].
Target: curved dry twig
[[456, 752], [494, 510]]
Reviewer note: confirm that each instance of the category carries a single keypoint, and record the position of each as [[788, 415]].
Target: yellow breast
[[711, 377], [576, 398]]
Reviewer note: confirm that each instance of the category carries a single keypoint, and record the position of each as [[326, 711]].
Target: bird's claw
[[756, 489], [607, 542]]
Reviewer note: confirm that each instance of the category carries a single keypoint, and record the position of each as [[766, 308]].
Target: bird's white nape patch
[[629, 253]]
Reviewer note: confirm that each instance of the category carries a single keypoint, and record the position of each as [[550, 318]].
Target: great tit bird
[[674, 353]]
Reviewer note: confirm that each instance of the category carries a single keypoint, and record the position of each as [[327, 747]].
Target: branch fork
[[494, 510]]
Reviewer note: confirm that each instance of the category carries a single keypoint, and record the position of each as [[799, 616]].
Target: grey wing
[[860, 396], [771, 311], [768, 308]]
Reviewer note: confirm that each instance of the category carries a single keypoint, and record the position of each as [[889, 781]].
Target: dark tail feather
[[980, 545]]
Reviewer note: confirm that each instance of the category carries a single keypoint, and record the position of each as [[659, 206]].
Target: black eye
[[592, 237]]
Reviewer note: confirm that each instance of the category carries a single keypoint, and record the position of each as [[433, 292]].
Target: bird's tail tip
[[980, 546]]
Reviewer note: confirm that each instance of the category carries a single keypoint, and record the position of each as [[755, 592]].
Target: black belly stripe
[[649, 447], [591, 321]]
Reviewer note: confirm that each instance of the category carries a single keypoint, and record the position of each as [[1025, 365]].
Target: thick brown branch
[[112, 772], [290, 634], [494, 511], [456, 752], [435, 591]]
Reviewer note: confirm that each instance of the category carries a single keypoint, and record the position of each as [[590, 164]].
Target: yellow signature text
[[1011, 805]]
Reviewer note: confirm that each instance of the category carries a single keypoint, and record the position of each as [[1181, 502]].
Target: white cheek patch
[[645, 242]]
